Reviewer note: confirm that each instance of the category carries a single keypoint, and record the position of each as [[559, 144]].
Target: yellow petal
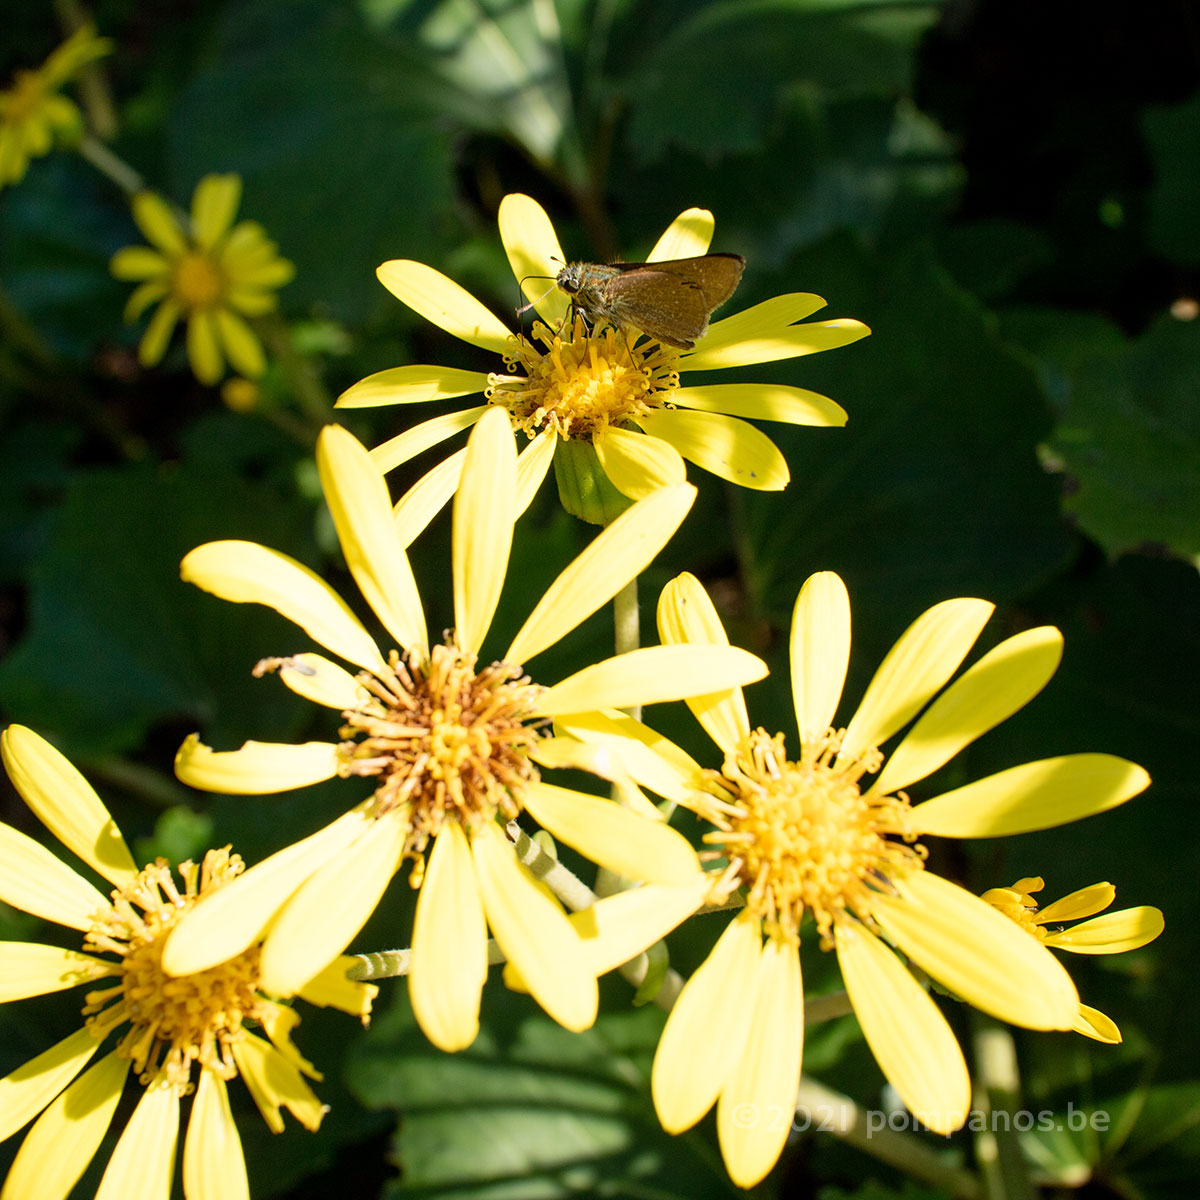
[[387, 456], [533, 463], [910, 1038], [994, 688], [331, 988], [203, 347], [362, 513], [616, 555], [156, 220], [483, 525], [764, 320], [323, 682], [705, 1035], [650, 676], [688, 236], [727, 346], [613, 837], [240, 342], [977, 952], [1085, 902], [619, 927], [637, 465], [534, 254], [427, 497], [411, 385], [214, 1167], [762, 402], [65, 803], [227, 921], [686, 616], [1036, 795], [1092, 1023], [1112, 933], [65, 1138], [533, 932], [331, 906], [927, 653], [158, 333], [566, 753], [248, 573], [449, 945], [214, 205], [442, 301], [31, 969], [35, 881], [257, 769], [274, 1080], [142, 297], [729, 448], [765, 1080], [143, 1162], [29, 1088], [820, 652], [654, 761], [137, 263]]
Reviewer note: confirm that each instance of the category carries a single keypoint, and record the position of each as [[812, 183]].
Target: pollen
[[196, 281], [174, 1021], [583, 382], [805, 837], [447, 740]]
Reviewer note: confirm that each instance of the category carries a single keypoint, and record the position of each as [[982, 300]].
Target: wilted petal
[[274, 1081], [257, 769], [323, 682]]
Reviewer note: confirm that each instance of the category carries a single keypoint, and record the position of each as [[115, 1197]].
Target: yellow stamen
[[583, 382], [196, 281], [803, 837]]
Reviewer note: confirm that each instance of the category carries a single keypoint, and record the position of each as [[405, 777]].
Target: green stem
[[998, 1090], [826, 1111], [111, 165]]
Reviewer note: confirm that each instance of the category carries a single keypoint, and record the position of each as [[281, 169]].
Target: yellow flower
[[1113, 933], [812, 837], [33, 113], [450, 742], [172, 1028], [602, 387], [208, 271]]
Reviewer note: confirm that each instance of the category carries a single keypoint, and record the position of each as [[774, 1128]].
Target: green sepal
[[583, 488]]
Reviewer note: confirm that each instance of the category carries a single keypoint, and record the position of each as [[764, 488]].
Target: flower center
[[26, 95], [174, 1021], [1018, 905], [444, 739], [803, 837], [196, 281], [584, 382]]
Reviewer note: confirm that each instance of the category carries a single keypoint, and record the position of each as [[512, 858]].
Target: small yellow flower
[[1113, 933], [449, 742], [208, 271], [171, 1030], [605, 388], [33, 113], [813, 838]]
